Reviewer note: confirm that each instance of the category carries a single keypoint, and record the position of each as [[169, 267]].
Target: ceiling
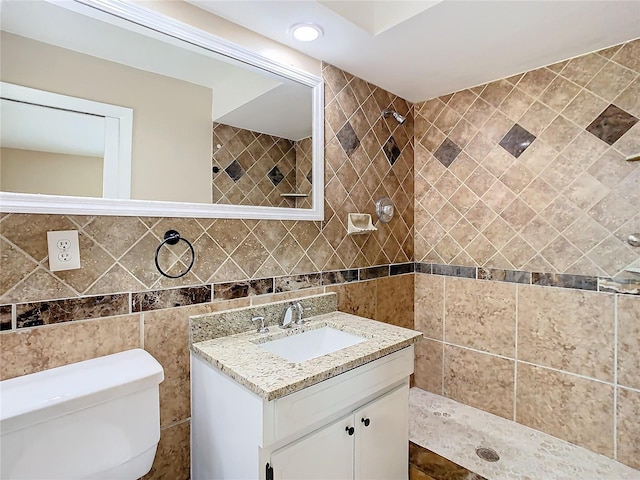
[[422, 49]]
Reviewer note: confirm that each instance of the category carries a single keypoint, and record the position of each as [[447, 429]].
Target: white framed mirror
[[216, 131]]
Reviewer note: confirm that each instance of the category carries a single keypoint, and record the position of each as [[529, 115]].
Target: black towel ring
[[171, 237]]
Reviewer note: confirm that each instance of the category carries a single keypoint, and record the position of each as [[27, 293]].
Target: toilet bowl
[[96, 419]]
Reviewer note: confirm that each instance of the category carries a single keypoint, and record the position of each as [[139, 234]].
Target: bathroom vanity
[[339, 415]]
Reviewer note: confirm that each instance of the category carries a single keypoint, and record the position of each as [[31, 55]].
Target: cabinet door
[[326, 454], [382, 446]]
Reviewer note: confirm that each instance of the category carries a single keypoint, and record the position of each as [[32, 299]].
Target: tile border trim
[[560, 280], [221, 291]]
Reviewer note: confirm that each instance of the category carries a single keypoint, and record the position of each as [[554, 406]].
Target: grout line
[[515, 367], [14, 317], [497, 355], [444, 322], [179, 422], [615, 376], [142, 330]]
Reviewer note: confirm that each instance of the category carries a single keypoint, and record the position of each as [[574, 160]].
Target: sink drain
[[488, 454]]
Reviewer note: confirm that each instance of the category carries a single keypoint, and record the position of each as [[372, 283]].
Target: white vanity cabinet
[[370, 444], [236, 434]]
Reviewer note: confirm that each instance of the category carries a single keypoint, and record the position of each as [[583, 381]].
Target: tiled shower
[[505, 251]]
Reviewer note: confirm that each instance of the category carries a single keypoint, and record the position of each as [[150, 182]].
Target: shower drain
[[488, 454]]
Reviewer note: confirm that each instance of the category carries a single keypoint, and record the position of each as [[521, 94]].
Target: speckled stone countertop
[[271, 376]]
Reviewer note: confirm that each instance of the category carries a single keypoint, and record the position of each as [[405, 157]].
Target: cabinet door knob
[[366, 421], [350, 430]]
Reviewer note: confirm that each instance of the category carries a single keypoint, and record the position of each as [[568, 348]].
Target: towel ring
[[171, 237]]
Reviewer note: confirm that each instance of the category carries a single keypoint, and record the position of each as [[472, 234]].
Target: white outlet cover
[[63, 258]]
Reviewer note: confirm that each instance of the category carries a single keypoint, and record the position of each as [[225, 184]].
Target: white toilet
[[97, 419]]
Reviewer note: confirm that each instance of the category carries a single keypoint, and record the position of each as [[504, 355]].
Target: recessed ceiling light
[[306, 32]]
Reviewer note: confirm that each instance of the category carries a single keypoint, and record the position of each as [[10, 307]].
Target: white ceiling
[[424, 48]]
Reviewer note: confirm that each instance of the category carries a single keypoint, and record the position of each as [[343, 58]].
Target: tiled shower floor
[[454, 431]]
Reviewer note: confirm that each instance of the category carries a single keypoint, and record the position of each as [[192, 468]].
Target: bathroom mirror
[[182, 122]]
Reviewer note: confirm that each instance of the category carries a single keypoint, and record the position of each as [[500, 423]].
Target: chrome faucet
[[262, 328], [292, 314], [300, 309]]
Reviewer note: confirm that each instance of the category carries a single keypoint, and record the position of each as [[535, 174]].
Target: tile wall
[[252, 168], [529, 172], [523, 185], [118, 300], [524, 174]]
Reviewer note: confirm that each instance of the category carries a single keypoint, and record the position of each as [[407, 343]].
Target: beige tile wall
[[566, 204], [164, 334], [542, 356], [117, 252], [117, 256], [256, 154]]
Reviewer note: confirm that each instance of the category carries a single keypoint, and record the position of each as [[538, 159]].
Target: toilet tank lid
[[40, 396]]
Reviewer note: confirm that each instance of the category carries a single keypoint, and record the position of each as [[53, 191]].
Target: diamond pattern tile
[[540, 179], [612, 124], [447, 152], [348, 139], [391, 150], [275, 175], [241, 163], [517, 140]]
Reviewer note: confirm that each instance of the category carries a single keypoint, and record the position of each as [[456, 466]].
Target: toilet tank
[[98, 418]]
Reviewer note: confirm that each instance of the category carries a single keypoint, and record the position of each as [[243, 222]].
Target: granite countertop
[[271, 376]]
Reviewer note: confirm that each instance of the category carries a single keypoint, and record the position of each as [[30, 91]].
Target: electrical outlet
[[64, 250]]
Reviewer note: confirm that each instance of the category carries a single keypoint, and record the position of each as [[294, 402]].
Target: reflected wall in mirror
[[206, 128]]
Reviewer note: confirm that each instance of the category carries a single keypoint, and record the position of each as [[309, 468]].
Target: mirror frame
[[68, 205]]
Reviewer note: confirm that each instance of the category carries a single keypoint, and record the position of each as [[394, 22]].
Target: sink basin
[[311, 344]]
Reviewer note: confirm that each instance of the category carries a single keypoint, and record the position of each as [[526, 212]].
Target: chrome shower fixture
[[396, 115]]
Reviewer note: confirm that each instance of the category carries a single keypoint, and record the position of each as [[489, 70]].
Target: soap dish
[[359, 223]]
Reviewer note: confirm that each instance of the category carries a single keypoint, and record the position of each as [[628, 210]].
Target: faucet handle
[[301, 309], [262, 328]]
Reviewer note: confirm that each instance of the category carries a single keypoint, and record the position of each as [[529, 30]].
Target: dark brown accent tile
[[374, 272], [425, 464], [447, 152], [297, 282], [5, 317], [581, 282], [628, 286], [401, 268], [348, 139], [391, 150], [517, 140], [453, 270], [247, 288], [340, 276], [612, 124], [423, 267], [234, 170], [58, 311], [512, 276], [170, 298]]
